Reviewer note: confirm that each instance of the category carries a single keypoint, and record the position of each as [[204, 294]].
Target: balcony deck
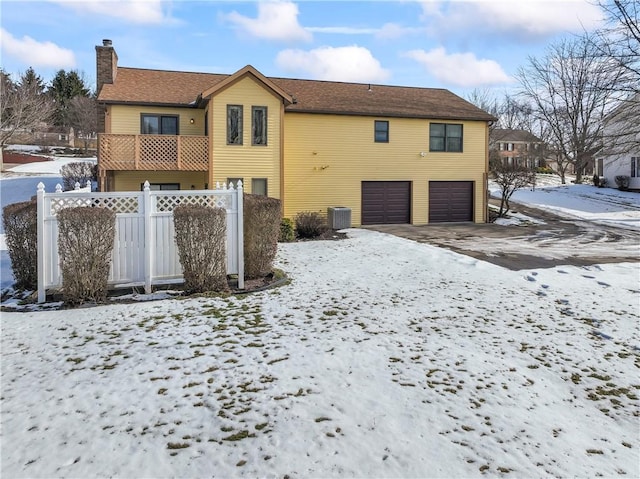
[[153, 152]]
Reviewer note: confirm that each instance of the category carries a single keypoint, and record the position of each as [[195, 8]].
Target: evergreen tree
[[30, 79], [63, 88]]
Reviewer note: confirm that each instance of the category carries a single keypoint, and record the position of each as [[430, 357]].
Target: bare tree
[[23, 107], [619, 40], [511, 178], [569, 89], [83, 118]]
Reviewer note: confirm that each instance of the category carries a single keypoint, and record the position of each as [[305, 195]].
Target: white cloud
[[459, 69], [343, 30], [276, 21], [34, 53], [531, 18], [349, 64], [133, 11], [393, 30]]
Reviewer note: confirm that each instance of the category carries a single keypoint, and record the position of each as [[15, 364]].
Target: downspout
[[282, 194]]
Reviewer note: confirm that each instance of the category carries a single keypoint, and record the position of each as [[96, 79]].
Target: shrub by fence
[[200, 237], [310, 224], [21, 234], [145, 251], [261, 233], [78, 172], [85, 243]]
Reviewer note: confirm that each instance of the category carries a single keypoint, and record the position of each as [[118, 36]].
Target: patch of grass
[[594, 451], [273, 361], [178, 445], [322, 419], [239, 436]]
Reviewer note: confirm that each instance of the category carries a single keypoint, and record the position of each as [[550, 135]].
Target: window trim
[[240, 109], [376, 130], [445, 138], [159, 116], [265, 125]]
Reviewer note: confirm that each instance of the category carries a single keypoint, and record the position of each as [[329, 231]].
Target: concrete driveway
[[558, 241]]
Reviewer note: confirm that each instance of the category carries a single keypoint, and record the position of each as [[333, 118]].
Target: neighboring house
[[45, 136], [517, 147], [391, 154], [621, 152]]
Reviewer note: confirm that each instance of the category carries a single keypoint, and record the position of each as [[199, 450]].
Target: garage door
[[450, 201], [386, 202]]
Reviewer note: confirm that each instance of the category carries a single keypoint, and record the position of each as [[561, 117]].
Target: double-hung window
[[234, 124], [445, 137], [381, 131], [158, 124], [258, 125]]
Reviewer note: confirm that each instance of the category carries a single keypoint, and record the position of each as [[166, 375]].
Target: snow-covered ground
[[383, 357]]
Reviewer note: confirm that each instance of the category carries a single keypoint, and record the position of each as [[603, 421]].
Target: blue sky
[[458, 45]]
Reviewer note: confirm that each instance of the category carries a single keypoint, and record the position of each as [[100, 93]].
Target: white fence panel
[[145, 251]]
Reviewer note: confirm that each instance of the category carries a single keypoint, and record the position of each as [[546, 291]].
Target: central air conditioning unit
[[339, 217]]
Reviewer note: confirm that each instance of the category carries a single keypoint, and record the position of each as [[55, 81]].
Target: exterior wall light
[[192, 121]]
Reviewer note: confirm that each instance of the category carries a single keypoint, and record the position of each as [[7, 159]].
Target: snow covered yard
[[383, 358]]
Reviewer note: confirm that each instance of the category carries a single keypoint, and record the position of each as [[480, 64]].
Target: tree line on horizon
[[28, 104]]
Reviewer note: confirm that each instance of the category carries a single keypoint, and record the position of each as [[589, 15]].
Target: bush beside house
[[262, 220]]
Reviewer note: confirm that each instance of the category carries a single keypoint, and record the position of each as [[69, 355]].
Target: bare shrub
[[85, 241], [201, 234], [78, 172], [261, 233], [511, 178], [21, 234], [622, 182], [310, 224]]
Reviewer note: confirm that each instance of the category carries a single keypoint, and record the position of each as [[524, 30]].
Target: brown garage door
[[386, 202], [450, 201]]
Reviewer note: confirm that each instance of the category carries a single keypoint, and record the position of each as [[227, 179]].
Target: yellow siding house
[[390, 154]]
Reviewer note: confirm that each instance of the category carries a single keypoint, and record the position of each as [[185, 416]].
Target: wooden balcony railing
[[153, 152]]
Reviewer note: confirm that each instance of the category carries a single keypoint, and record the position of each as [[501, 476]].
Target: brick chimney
[[106, 71]]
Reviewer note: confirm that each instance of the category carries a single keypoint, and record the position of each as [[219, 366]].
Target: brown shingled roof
[[134, 85], [507, 134]]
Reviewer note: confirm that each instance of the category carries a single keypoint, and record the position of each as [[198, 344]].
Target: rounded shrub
[[287, 231], [201, 234], [21, 234], [261, 232], [310, 224], [85, 241]]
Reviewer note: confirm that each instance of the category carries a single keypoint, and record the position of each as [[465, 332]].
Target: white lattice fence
[[145, 252]]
